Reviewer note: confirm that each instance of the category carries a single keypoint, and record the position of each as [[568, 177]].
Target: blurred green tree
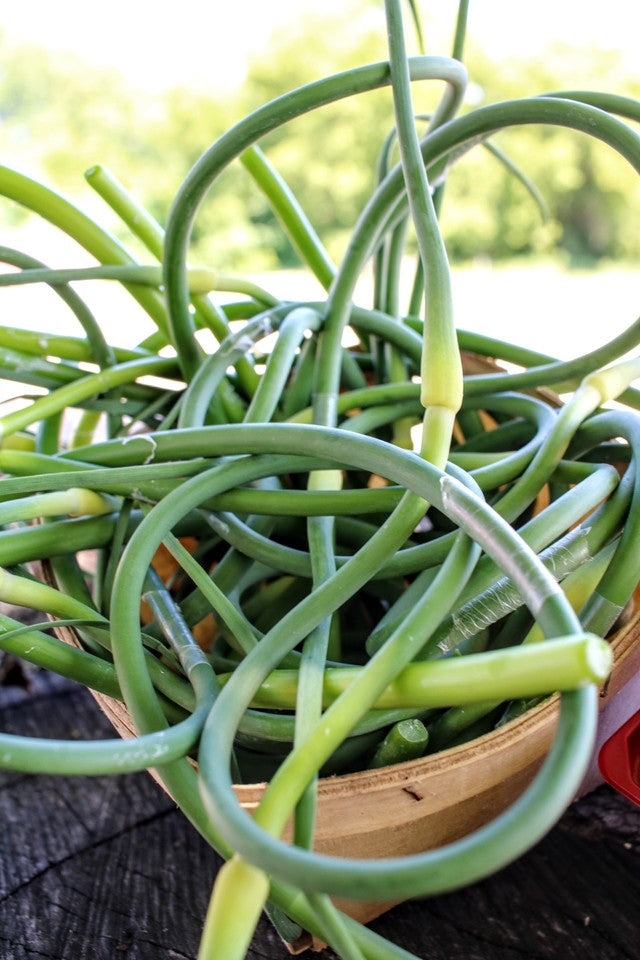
[[60, 116]]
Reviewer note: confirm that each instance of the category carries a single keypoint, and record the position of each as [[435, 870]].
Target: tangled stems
[[144, 226], [43, 755], [443, 142], [267, 395], [35, 646], [243, 136], [162, 477], [96, 758], [409, 511], [141, 547], [618, 583], [362, 879], [205, 442], [387, 203], [441, 408], [284, 594], [82, 389], [328, 445], [125, 582], [596, 389], [50, 205], [100, 351]]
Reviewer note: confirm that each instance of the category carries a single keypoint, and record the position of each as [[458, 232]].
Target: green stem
[[290, 213], [54, 208], [243, 136], [563, 663], [147, 229], [441, 367], [74, 393]]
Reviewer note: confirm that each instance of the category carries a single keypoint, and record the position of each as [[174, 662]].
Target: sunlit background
[[145, 88]]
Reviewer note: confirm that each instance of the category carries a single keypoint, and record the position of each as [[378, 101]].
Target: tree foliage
[[60, 116]]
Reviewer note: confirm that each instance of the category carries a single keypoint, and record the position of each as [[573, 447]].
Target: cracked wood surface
[[106, 867]]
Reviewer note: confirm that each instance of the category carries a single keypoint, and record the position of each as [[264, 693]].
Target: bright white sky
[[161, 44]]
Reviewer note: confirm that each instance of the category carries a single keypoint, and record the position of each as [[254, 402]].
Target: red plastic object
[[619, 759]]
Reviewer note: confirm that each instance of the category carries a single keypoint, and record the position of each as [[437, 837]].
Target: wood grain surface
[[107, 867]]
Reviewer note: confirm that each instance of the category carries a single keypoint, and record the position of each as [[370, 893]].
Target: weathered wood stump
[[106, 867]]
